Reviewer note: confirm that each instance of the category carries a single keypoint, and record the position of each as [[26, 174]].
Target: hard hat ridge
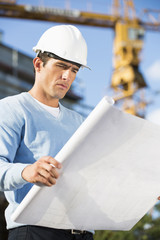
[[65, 41]]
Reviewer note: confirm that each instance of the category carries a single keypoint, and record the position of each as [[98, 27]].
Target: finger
[[48, 168], [53, 162], [48, 182], [47, 178], [54, 172], [45, 165], [50, 176], [45, 174]]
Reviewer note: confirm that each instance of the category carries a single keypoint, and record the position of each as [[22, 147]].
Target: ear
[[37, 62]]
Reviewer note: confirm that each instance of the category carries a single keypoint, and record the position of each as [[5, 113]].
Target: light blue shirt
[[27, 133]]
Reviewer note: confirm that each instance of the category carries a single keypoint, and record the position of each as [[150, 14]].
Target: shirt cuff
[[18, 180]]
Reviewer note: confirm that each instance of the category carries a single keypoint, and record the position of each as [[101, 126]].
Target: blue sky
[[24, 34]]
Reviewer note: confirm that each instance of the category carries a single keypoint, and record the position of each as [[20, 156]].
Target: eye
[[61, 65], [75, 70]]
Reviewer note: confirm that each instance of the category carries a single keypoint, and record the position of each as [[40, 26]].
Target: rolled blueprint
[[110, 177]]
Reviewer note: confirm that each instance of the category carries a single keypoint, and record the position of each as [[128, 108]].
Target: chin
[[59, 96]]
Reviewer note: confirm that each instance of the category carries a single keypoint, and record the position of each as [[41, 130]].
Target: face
[[55, 78]]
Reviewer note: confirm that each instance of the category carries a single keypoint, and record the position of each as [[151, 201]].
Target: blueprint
[[110, 176]]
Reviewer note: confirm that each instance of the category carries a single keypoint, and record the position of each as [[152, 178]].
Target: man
[[35, 126]]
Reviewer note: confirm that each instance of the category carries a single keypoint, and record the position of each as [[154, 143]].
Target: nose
[[66, 75]]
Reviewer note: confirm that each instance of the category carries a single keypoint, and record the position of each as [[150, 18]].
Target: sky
[[24, 34]]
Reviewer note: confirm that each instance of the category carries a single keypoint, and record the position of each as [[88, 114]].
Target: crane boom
[[67, 16]]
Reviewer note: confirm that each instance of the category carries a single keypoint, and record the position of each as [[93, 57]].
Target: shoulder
[[11, 108], [12, 100], [16, 102]]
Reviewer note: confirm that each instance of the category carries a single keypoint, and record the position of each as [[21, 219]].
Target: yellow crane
[[128, 42]]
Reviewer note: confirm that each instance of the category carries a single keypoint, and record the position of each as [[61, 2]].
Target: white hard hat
[[65, 41]]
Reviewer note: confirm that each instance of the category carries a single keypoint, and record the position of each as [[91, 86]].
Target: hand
[[159, 198], [42, 171]]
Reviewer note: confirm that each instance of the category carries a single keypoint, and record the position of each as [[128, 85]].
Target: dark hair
[[44, 57]]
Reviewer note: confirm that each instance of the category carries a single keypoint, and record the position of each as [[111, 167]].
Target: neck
[[52, 102]]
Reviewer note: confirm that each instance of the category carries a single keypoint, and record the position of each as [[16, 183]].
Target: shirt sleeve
[[11, 124]]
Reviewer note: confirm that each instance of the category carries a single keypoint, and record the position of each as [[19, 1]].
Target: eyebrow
[[65, 65]]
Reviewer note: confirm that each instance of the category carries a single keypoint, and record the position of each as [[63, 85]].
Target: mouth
[[62, 86]]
